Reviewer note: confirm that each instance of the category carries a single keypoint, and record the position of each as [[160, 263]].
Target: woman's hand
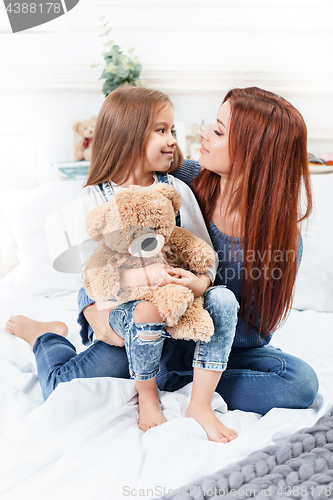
[[198, 283], [97, 315]]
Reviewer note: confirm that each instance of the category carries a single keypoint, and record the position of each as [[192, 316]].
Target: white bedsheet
[[83, 443]]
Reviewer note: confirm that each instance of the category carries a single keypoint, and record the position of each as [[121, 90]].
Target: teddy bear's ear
[[171, 193], [76, 127], [95, 223]]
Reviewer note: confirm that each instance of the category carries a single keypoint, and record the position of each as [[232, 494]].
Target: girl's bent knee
[[146, 312], [223, 299]]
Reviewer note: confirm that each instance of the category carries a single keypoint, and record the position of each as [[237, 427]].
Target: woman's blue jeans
[[256, 379]]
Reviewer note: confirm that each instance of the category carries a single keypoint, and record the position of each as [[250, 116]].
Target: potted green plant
[[120, 68]]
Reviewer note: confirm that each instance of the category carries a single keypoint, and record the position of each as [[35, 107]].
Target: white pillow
[[314, 284], [26, 212]]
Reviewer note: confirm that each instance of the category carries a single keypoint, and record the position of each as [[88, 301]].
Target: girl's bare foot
[[205, 416], [150, 413], [30, 329]]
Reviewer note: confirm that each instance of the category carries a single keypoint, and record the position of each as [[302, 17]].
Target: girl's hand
[[161, 275], [153, 275], [198, 283], [97, 315]]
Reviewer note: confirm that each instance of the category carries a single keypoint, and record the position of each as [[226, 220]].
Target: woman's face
[[214, 149]]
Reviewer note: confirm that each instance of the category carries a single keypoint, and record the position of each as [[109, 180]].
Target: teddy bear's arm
[[79, 149], [101, 281], [189, 251]]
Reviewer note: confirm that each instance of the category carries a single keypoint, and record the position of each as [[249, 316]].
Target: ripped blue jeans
[[144, 353]]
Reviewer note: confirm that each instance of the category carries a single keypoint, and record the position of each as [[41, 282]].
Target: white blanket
[[84, 443]]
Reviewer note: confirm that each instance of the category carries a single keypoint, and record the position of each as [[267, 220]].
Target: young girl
[[134, 143]]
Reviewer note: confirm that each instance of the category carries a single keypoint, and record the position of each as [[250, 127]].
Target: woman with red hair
[[254, 168]]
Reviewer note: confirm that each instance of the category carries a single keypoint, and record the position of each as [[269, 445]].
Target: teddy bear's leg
[[79, 151], [171, 301], [87, 154], [195, 324]]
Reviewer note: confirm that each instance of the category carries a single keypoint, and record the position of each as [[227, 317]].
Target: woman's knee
[[302, 382], [308, 385]]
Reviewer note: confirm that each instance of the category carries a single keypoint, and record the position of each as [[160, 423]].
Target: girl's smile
[[162, 142]]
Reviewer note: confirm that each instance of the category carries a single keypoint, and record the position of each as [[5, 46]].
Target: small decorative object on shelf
[[74, 169], [320, 165], [85, 130], [195, 141], [120, 69]]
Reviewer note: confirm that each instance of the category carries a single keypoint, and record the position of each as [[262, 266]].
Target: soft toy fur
[[142, 221], [86, 130]]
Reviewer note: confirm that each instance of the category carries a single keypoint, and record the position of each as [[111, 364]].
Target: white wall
[[193, 49]]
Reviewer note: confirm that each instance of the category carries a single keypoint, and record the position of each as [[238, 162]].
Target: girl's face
[[214, 150], [161, 143]]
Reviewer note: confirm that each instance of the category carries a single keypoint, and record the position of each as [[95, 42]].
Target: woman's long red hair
[[268, 173]]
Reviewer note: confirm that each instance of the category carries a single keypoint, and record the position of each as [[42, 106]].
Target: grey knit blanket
[[299, 467]]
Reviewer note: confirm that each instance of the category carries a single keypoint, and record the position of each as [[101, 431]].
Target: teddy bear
[[137, 228], [86, 130]]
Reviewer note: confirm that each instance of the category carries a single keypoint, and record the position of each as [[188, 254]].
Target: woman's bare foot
[[30, 329], [205, 416], [97, 315], [150, 413]]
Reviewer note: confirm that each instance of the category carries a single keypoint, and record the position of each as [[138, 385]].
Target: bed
[[83, 442]]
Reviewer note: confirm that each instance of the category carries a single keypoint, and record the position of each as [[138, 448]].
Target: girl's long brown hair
[[123, 126], [268, 171]]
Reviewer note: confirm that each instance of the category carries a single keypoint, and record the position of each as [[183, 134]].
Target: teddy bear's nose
[[146, 245], [149, 244]]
